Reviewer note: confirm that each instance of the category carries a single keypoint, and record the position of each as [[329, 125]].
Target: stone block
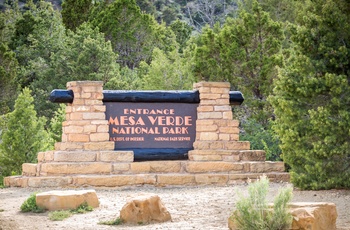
[[165, 166], [97, 137], [252, 155], [214, 166], [74, 156], [104, 145], [69, 146], [194, 157], [94, 116], [114, 180], [103, 128], [66, 200], [89, 128], [208, 136], [76, 168], [205, 108], [140, 167], [222, 108], [144, 208], [207, 128], [29, 169], [175, 179], [237, 145], [98, 108], [209, 115], [120, 167], [229, 130], [268, 166], [73, 129], [76, 137], [45, 156], [221, 90], [116, 156], [217, 179], [49, 181]]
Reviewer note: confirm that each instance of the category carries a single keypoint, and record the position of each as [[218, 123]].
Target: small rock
[[144, 208]]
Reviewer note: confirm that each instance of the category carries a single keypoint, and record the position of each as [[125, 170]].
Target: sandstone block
[[194, 157], [175, 179], [121, 167], [268, 166], [227, 115], [205, 108], [221, 90], [116, 156], [208, 136], [66, 200], [74, 156], [140, 167], [94, 116], [73, 129], [219, 179], [114, 180], [313, 216], [69, 146], [101, 145], [165, 166], [252, 155], [76, 168], [237, 145], [144, 208], [214, 166], [209, 115], [39, 182], [97, 137], [89, 128], [75, 137], [29, 169]]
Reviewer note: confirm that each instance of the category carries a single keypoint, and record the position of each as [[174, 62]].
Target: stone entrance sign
[[151, 125]]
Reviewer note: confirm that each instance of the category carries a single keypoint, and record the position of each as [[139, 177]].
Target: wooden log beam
[[190, 96]]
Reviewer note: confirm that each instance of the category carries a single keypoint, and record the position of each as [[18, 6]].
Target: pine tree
[[312, 97], [22, 137], [75, 12]]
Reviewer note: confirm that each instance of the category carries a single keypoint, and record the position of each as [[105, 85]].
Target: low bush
[[29, 205], [253, 212]]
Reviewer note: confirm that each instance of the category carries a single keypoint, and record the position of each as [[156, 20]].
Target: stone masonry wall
[[217, 135], [86, 126]]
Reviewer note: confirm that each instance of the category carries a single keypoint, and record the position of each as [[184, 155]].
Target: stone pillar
[[86, 127], [217, 135]]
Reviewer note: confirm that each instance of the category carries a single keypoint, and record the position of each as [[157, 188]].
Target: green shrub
[[63, 214], [59, 215], [117, 221], [29, 205], [261, 138], [253, 213]]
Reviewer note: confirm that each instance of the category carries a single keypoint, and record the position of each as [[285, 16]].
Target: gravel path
[[205, 207]]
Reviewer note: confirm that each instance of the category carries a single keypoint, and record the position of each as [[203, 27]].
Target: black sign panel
[[151, 125]]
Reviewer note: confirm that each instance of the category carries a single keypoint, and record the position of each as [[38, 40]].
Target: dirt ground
[[204, 207]]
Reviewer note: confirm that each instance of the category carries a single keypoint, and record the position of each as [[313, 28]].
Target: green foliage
[[244, 52], [166, 72], [59, 215], [63, 214], [261, 138], [82, 208], [117, 221], [252, 212], [131, 32], [312, 98], [29, 205], [55, 128], [22, 137], [75, 12]]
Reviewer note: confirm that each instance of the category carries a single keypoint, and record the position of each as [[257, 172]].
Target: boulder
[[144, 208], [307, 216], [66, 199], [313, 216]]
